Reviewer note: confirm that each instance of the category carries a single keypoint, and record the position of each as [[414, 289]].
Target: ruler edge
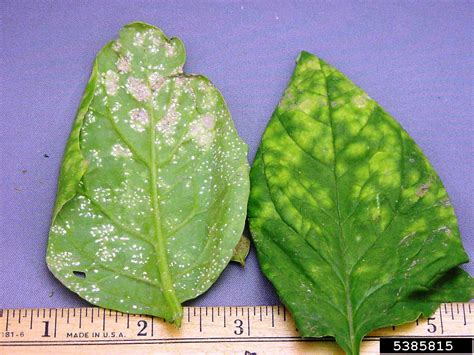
[[247, 339]]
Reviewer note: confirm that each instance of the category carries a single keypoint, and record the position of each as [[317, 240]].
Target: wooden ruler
[[239, 330]]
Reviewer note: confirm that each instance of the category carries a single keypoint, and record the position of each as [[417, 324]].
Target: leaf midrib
[[158, 241], [341, 239], [158, 235]]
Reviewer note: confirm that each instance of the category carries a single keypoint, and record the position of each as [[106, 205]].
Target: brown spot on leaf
[[423, 190]]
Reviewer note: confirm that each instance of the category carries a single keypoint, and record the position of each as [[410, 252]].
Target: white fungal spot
[[117, 105], [167, 124], [138, 89], [208, 121], [116, 46], [96, 157], [156, 80], [170, 50], [60, 260], [90, 118], [156, 42], [444, 229], [56, 229], [123, 64], [119, 150], [111, 80], [138, 119], [360, 101], [138, 39], [202, 131]]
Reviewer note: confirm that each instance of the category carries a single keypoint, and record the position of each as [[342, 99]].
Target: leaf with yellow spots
[[350, 221], [153, 188]]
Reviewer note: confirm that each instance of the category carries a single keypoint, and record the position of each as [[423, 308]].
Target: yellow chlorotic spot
[[355, 150], [308, 105]]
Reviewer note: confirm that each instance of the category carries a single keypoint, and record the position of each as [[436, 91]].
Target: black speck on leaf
[[24, 171], [46, 155]]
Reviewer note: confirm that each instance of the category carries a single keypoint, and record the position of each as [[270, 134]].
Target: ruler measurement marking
[[464, 313], [273, 318], [189, 316], [441, 319], [248, 320], [92, 315], [274, 325], [445, 309], [224, 317], [194, 340], [206, 339], [8, 315], [55, 321], [200, 319], [180, 340]]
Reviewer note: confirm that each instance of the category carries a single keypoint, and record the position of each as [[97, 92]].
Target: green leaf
[[349, 219], [154, 184], [241, 250]]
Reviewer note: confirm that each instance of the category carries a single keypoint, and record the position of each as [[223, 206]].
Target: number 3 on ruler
[[238, 325]]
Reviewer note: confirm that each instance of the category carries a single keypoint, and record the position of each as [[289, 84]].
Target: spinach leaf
[[154, 184], [351, 223]]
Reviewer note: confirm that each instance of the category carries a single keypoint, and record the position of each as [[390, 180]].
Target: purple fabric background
[[414, 58]]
